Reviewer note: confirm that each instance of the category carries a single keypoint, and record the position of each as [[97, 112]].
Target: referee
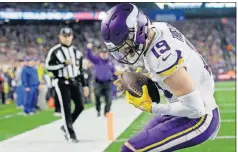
[[65, 61]]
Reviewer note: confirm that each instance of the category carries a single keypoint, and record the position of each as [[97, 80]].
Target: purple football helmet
[[124, 30]]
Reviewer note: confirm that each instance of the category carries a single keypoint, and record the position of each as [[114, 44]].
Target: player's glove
[[118, 81], [144, 102], [139, 70]]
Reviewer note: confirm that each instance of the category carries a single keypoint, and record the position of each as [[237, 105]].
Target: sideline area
[[91, 132]]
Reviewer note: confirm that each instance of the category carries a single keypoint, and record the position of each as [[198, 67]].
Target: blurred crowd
[[12, 78], [205, 37], [31, 39], [49, 6], [36, 39], [14, 89]]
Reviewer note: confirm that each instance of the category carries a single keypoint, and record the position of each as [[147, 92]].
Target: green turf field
[[225, 97], [12, 122]]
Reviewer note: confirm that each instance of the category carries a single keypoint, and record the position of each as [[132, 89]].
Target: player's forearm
[[172, 109], [190, 105]]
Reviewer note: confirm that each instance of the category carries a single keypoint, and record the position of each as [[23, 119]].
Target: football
[[133, 82]]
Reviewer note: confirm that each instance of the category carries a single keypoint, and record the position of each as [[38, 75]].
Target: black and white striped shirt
[[55, 62]]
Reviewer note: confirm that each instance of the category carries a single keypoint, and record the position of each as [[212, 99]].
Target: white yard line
[[226, 83], [11, 115], [227, 111], [226, 137], [225, 89], [228, 120], [227, 104]]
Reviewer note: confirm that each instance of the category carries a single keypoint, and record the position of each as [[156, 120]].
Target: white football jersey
[[169, 51]]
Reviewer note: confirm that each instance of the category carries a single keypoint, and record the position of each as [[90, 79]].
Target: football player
[[191, 115]]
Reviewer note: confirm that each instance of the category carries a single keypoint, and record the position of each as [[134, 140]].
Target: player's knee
[[127, 147], [124, 148]]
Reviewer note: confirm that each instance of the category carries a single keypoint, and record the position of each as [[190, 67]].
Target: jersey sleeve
[[167, 53], [168, 63]]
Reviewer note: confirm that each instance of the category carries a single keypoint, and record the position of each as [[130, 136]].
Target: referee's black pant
[[67, 90]]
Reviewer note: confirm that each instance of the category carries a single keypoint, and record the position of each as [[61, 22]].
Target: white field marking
[[228, 120], [16, 114], [8, 116], [226, 83], [227, 104], [225, 89], [226, 137], [227, 111], [11, 115], [218, 137]]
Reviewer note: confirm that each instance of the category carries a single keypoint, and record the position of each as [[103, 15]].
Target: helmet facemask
[[128, 52]]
